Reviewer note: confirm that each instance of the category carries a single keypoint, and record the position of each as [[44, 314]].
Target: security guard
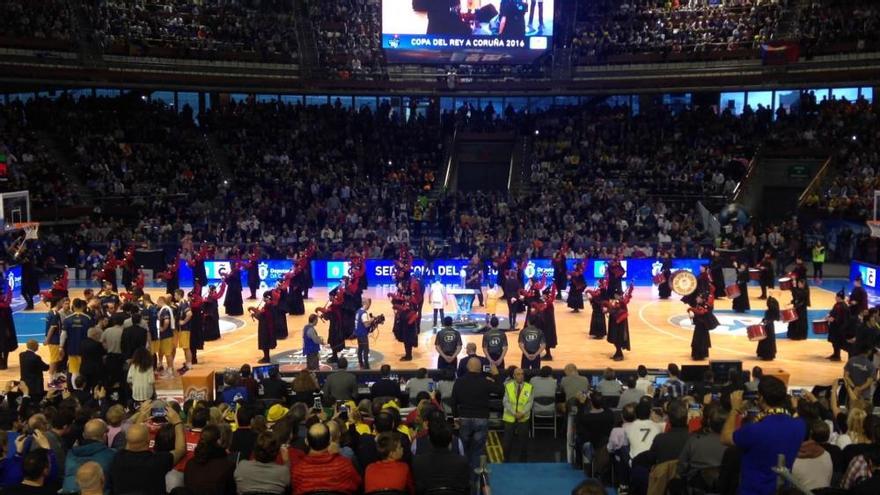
[[818, 261], [517, 411]]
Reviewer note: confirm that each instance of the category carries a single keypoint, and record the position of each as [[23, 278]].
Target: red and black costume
[[58, 290], [107, 273], [279, 309], [211, 312], [265, 316], [197, 263], [598, 327], [171, 275], [704, 321], [332, 312], [767, 278], [618, 322], [767, 347], [8, 336], [560, 270], [797, 329], [858, 300], [839, 327], [664, 289], [799, 272], [128, 268], [299, 282], [196, 323], [576, 288], [253, 272], [740, 303], [543, 316], [614, 273], [705, 286], [233, 304], [531, 295], [406, 318]]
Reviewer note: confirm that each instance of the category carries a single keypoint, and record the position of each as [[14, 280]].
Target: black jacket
[[32, 368], [92, 353], [133, 337], [440, 468], [470, 395], [385, 388], [274, 389]]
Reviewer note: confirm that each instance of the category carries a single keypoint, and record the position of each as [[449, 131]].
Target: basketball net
[[874, 224], [31, 229]]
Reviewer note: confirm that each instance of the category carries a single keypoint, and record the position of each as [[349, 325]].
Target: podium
[[464, 301], [198, 384], [781, 374]]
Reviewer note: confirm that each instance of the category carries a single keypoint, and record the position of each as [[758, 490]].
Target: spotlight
[[537, 132], [854, 138]]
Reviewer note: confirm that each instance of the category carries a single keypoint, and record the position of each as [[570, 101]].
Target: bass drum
[[683, 282]]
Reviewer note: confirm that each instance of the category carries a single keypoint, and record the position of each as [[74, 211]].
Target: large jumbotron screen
[[466, 31]]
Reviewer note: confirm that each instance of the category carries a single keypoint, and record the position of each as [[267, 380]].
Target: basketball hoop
[[31, 229], [874, 225]]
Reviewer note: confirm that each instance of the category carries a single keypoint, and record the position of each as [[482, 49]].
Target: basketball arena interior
[[439, 247]]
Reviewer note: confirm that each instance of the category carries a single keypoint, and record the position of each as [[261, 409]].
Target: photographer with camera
[[364, 324]]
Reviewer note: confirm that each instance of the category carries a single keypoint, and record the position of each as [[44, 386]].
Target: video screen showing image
[[466, 31]]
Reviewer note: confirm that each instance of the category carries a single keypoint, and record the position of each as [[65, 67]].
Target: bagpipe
[[333, 305], [559, 257], [403, 264], [405, 304], [108, 269], [171, 269], [128, 257], [619, 305], [205, 251], [502, 260], [615, 269], [578, 283], [703, 312], [532, 295], [546, 301]]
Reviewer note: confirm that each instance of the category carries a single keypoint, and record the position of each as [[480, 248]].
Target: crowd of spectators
[[265, 434], [348, 33], [30, 164], [837, 26], [362, 179], [37, 19], [852, 129], [207, 29], [349, 38], [626, 27]]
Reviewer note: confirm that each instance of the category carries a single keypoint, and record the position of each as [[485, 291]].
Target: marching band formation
[[195, 316]]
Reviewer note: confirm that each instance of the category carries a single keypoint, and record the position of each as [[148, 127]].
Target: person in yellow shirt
[[492, 296], [517, 411], [818, 261]]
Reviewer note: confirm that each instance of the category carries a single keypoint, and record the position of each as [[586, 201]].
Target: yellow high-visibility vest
[[518, 402]]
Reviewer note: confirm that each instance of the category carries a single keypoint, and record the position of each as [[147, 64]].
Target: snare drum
[[659, 279], [788, 315], [732, 291], [820, 327], [756, 333], [785, 283], [754, 274]]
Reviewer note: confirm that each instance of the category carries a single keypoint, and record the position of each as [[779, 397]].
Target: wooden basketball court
[[657, 336]]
